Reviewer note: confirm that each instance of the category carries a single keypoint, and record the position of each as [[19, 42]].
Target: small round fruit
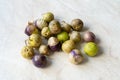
[[91, 49], [77, 24], [63, 36], [34, 40], [89, 37], [44, 50], [46, 32], [75, 56], [54, 27], [40, 23], [48, 16], [39, 60], [27, 52], [68, 46], [65, 26], [75, 36], [54, 44], [30, 29]]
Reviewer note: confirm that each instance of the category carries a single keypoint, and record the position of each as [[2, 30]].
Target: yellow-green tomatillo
[[34, 40], [63, 36], [68, 46], [48, 16], [46, 32], [40, 23], [91, 49], [27, 52]]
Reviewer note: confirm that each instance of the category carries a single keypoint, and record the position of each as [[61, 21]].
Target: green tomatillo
[[63, 36], [91, 49]]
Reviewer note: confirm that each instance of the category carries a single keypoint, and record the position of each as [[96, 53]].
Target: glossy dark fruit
[[89, 37], [77, 24], [39, 60]]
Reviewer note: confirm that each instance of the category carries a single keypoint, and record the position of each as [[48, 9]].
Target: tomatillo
[[91, 49]]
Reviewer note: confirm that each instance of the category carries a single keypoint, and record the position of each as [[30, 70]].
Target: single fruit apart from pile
[[63, 36], [91, 49], [75, 56], [68, 46], [48, 16], [27, 52], [39, 60], [89, 37]]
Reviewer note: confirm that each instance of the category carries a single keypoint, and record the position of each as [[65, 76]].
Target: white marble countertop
[[100, 16]]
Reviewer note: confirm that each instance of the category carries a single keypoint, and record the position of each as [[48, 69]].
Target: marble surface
[[100, 16]]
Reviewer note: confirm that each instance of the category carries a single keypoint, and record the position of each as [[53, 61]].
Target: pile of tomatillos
[[59, 36]]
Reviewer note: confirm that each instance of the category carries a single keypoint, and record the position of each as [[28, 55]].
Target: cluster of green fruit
[[59, 36]]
